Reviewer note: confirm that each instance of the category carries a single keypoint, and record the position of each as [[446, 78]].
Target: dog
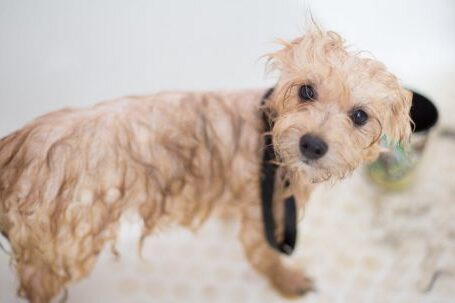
[[67, 178]]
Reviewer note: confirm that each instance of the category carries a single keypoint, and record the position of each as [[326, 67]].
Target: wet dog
[[67, 178]]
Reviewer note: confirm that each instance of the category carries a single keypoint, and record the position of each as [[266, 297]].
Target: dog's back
[[67, 177]]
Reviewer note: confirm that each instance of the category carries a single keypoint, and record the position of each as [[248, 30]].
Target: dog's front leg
[[266, 260]]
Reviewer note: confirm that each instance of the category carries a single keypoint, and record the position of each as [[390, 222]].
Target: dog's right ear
[[283, 59], [314, 47]]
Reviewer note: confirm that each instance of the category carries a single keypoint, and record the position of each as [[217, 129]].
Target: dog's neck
[[269, 170]]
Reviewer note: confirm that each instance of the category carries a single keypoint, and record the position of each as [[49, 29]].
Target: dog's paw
[[292, 283]]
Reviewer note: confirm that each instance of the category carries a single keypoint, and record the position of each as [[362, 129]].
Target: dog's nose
[[312, 147]]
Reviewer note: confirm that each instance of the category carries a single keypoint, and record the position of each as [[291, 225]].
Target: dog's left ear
[[398, 124]]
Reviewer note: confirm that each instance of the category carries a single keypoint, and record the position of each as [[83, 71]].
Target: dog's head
[[331, 107]]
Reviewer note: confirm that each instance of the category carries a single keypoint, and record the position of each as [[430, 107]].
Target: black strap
[[269, 170]]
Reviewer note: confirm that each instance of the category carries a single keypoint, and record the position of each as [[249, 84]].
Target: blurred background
[[394, 247]]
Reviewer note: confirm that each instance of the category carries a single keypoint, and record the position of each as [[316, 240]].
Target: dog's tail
[[10, 147], [3, 218]]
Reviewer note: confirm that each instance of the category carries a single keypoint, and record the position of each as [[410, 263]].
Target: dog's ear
[[283, 59], [398, 123], [313, 47]]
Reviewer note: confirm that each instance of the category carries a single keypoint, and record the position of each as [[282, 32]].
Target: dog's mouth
[[315, 171], [309, 166], [307, 162]]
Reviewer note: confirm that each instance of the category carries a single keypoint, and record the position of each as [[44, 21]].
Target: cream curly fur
[[68, 177]]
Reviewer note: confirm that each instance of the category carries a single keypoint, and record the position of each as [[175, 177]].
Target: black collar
[[268, 177]]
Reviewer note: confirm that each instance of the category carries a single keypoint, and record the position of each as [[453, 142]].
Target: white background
[[55, 54]]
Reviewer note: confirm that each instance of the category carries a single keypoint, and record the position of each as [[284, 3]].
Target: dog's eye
[[307, 93], [359, 117]]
